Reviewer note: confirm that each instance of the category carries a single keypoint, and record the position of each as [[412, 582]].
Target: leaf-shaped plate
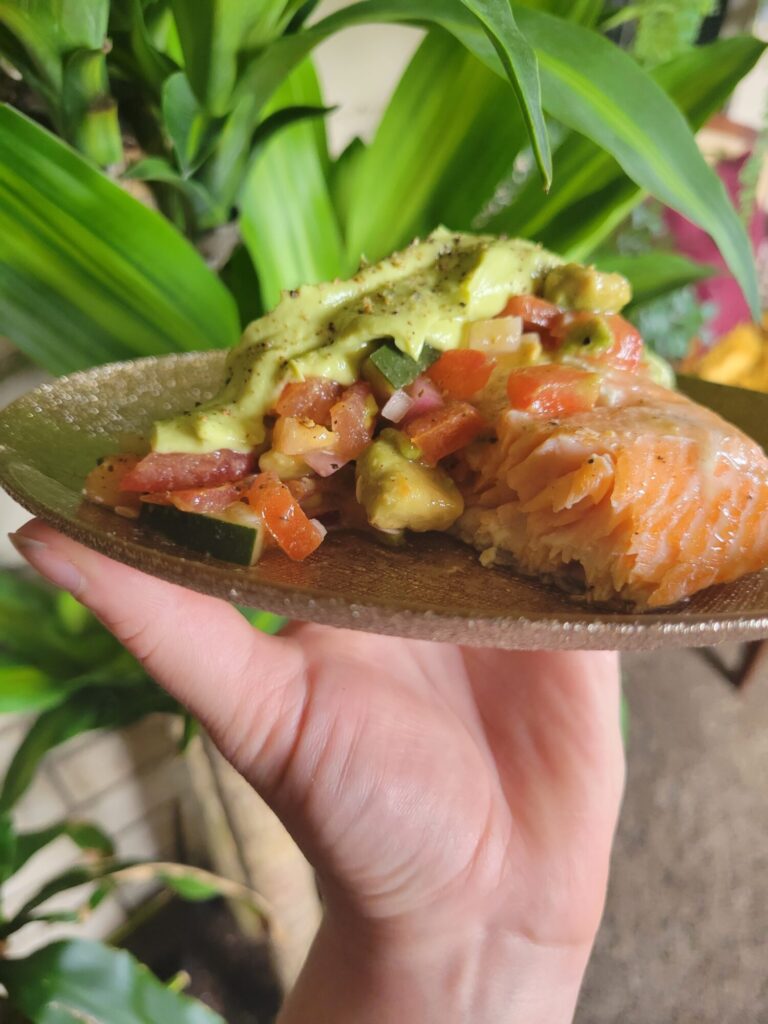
[[433, 587]]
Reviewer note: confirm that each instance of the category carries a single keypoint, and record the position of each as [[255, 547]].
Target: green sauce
[[423, 295]]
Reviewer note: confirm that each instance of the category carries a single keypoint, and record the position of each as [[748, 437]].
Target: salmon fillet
[[647, 498]]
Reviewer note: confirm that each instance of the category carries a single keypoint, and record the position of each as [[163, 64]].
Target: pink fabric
[[693, 242]]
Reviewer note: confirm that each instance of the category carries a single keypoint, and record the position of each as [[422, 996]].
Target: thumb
[[247, 689]]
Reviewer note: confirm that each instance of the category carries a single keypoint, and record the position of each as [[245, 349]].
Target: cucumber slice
[[388, 369], [212, 535]]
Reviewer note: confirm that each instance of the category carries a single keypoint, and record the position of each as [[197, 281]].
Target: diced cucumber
[[211, 535], [388, 369]]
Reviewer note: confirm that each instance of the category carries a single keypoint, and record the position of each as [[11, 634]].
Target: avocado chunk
[[399, 493], [589, 337], [388, 369], [586, 289]]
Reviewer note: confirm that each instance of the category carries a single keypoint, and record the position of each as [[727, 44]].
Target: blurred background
[[684, 934]]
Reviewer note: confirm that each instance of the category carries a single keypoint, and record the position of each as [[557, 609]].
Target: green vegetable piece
[[586, 289], [221, 538], [390, 369], [399, 493], [590, 337]]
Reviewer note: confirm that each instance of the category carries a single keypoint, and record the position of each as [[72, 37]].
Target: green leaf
[[94, 708], [75, 981], [88, 837], [447, 105], [588, 84], [653, 274], [207, 213], [214, 34], [594, 88], [88, 274], [286, 215], [520, 64], [24, 688], [591, 194], [90, 113], [8, 844], [74, 616], [265, 622], [193, 132]]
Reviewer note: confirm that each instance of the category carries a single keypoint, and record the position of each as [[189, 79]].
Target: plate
[[433, 587]]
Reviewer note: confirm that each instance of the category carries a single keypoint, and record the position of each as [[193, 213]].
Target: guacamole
[[422, 295]]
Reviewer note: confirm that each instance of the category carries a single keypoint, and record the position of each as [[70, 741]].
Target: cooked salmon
[[646, 498]]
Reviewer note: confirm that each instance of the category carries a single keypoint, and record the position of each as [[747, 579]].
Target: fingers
[[245, 687]]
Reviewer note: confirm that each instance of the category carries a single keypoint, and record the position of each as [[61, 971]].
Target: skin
[[458, 804]]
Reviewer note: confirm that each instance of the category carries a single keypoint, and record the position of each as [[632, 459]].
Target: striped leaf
[[88, 274]]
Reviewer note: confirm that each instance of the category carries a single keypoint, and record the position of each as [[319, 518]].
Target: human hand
[[458, 804]]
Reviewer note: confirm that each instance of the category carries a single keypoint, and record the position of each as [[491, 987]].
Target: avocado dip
[[423, 295]]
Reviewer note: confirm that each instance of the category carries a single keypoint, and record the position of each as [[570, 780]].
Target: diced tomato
[[209, 499], [353, 420], [283, 517], [310, 399], [105, 484], [627, 351], [536, 313], [553, 390], [445, 430], [176, 471], [461, 373]]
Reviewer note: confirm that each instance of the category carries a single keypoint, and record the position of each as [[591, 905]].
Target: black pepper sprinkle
[[294, 293]]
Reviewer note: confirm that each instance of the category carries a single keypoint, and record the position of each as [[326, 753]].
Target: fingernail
[[48, 563]]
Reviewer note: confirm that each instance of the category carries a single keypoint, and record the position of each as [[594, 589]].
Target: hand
[[458, 804]]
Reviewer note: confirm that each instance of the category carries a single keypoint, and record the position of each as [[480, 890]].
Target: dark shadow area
[[229, 973]]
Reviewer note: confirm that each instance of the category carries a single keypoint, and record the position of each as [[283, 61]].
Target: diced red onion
[[324, 463], [426, 398], [397, 406], [319, 527]]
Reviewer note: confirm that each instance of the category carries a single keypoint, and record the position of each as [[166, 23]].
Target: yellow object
[[740, 359]]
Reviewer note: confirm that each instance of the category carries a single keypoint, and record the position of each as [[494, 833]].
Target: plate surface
[[433, 588]]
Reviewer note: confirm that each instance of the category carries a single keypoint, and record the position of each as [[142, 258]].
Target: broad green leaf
[[653, 274], [520, 64], [73, 616], [8, 844], [50, 29], [239, 276], [88, 837], [192, 130], [88, 274], [214, 34], [94, 708], [594, 88], [286, 215], [25, 688], [90, 114], [206, 211], [591, 193], [447, 105], [343, 178], [265, 622], [78, 981], [588, 84]]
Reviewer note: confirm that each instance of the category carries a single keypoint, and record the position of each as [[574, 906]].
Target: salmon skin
[[645, 499]]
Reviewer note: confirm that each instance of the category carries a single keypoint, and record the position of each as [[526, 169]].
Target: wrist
[[481, 975]]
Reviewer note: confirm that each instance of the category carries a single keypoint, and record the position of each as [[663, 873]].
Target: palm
[[418, 775]]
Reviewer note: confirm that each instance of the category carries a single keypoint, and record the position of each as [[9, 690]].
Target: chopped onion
[[397, 406], [426, 398], [319, 527], [502, 334], [324, 463]]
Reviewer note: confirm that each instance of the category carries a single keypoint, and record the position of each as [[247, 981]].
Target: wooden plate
[[432, 588]]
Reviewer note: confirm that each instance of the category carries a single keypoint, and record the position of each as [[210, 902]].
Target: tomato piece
[[626, 352], [536, 313], [105, 485], [176, 471], [283, 517], [353, 420], [445, 430], [311, 399], [208, 499], [553, 390], [461, 373]]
